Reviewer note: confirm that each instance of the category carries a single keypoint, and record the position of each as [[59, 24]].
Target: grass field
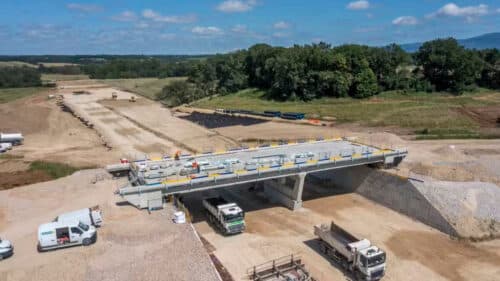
[[16, 63], [147, 87], [429, 115], [10, 94], [63, 77], [54, 170]]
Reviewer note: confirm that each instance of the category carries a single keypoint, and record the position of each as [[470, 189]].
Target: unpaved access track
[[414, 250]]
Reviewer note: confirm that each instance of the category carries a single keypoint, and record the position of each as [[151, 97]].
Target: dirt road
[[131, 245], [414, 251]]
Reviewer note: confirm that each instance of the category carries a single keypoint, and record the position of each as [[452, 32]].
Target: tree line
[[135, 68], [14, 77], [320, 70]]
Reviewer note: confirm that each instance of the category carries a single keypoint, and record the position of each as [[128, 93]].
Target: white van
[[56, 235], [6, 249], [89, 216]]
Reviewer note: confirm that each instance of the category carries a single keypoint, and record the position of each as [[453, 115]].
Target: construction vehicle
[[365, 261], [56, 235], [89, 216], [227, 217]]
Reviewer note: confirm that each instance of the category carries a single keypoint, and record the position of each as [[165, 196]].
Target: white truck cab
[[371, 263], [63, 234], [6, 249]]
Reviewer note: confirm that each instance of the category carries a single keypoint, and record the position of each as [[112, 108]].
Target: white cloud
[[154, 16], [125, 16], [281, 34], [167, 36], [239, 28], [142, 25], [84, 8], [236, 6], [358, 5], [207, 30], [281, 25], [468, 12], [405, 20]]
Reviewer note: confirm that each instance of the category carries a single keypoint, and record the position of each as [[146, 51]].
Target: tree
[[364, 84], [447, 65], [179, 92]]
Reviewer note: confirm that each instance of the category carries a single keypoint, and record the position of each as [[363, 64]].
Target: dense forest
[[13, 77], [319, 70]]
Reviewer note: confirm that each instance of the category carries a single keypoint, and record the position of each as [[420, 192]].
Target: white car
[[6, 249]]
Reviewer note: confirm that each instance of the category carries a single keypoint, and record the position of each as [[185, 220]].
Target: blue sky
[[195, 26]]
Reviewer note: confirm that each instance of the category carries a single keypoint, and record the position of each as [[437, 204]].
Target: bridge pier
[[286, 191]]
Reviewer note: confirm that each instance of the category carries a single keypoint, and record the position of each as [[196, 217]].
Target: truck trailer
[[89, 216], [226, 217], [358, 256]]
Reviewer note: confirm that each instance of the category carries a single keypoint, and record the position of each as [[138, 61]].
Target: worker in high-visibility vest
[[177, 155]]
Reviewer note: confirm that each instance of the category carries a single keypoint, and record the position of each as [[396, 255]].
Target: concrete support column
[[288, 193], [298, 188]]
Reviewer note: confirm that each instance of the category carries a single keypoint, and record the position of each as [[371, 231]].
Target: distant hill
[[485, 41]]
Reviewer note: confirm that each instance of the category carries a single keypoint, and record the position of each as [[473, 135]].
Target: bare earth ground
[[414, 251], [131, 245], [50, 134], [132, 241]]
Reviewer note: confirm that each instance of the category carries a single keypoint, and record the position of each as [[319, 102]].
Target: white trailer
[[16, 138], [227, 217], [6, 249], [365, 261], [89, 216], [57, 235]]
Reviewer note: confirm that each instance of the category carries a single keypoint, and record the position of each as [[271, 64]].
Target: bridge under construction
[[282, 166]]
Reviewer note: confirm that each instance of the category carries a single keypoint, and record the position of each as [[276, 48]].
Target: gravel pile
[[471, 207]]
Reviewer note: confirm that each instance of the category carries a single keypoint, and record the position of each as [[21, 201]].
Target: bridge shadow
[[251, 198]]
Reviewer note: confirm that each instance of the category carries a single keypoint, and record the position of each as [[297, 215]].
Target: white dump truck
[[89, 216], [56, 235], [229, 218], [6, 249], [365, 261]]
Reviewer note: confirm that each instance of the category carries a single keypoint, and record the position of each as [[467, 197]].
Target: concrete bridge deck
[[150, 180]]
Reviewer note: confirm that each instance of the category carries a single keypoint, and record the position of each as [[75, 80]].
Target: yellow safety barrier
[[175, 181], [312, 161], [213, 175], [288, 164], [356, 155], [335, 158], [263, 168], [239, 172]]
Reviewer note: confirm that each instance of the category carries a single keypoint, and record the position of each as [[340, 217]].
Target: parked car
[[6, 249]]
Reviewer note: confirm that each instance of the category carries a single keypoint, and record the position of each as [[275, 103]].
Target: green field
[[147, 87], [63, 77], [54, 170], [10, 94], [429, 115]]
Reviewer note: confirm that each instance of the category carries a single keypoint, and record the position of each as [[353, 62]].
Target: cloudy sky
[[209, 26]]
